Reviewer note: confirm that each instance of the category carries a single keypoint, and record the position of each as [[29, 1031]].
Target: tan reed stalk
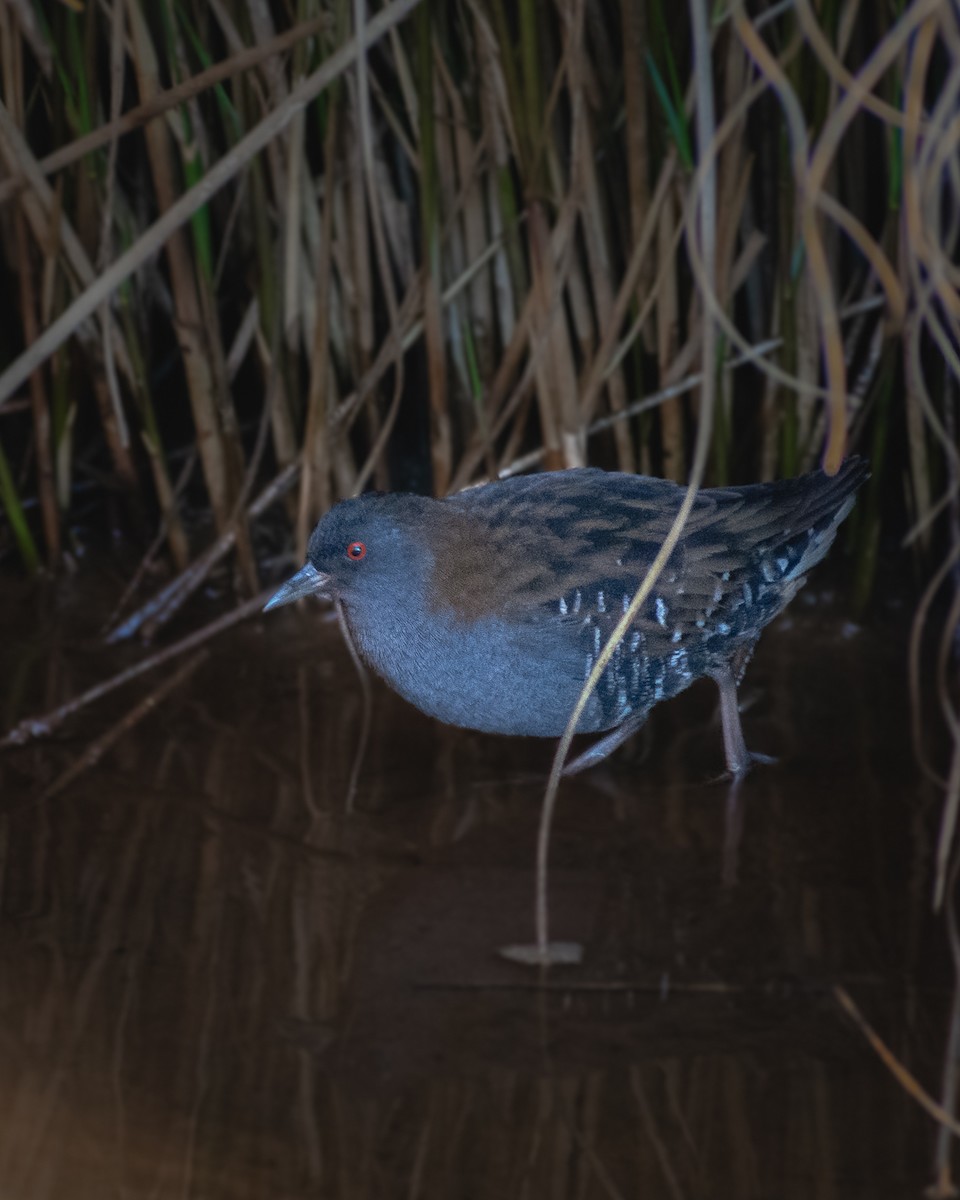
[[220, 453]]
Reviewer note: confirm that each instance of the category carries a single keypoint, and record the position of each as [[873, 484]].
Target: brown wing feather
[[525, 547]]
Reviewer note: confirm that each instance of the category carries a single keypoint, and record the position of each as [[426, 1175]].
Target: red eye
[[356, 551]]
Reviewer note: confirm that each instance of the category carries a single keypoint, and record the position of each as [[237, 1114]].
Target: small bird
[[487, 609]]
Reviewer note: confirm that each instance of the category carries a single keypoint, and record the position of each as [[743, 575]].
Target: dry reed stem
[[640, 165], [701, 226], [39, 402], [544, 292], [929, 239], [914, 89], [292, 232], [32, 728], [596, 237], [665, 295], [40, 206], [366, 181], [378, 221], [726, 128], [943, 1168], [900, 1073], [842, 79], [914, 663], [594, 376], [225, 169], [238, 63], [168, 511], [834, 127], [478, 308], [218, 450], [315, 491], [946, 659]]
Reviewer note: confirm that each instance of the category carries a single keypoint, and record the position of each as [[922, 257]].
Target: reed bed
[[261, 257], [431, 244]]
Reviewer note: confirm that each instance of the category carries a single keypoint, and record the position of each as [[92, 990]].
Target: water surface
[[216, 982]]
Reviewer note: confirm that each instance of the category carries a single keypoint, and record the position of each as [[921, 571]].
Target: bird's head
[[366, 548]]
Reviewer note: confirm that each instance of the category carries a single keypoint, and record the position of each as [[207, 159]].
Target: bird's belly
[[498, 678]]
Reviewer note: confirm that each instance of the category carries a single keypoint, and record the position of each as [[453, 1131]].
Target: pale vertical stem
[[220, 455], [542, 283], [292, 233], [577, 291], [315, 495], [479, 308], [440, 433], [628, 285], [39, 402], [597, 242], [546, 366], [377, 201], [668, 321], [452, 233], [636, 131], [914, 93], [943, 1154]]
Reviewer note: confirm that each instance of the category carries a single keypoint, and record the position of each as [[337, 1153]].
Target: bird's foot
[[605, 746], [739, 769]]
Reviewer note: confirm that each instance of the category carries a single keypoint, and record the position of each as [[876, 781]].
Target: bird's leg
[[735, 749], [605, 745]]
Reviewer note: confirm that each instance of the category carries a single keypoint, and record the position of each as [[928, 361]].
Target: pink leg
[[734, 747]]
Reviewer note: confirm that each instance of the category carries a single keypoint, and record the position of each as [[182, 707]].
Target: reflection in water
[[214, 982]]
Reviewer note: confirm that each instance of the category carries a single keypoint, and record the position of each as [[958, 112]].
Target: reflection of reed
[[216, 983]]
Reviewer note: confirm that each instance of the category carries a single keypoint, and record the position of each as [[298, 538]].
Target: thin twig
[[31, 728], [896, 1068]]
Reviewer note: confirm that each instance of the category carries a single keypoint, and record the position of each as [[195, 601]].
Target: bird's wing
[[570, 544]]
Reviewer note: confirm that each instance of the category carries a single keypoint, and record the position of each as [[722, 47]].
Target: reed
[[529, 141], [468, 247]]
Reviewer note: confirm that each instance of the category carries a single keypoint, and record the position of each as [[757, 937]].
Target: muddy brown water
[[215, 982]]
